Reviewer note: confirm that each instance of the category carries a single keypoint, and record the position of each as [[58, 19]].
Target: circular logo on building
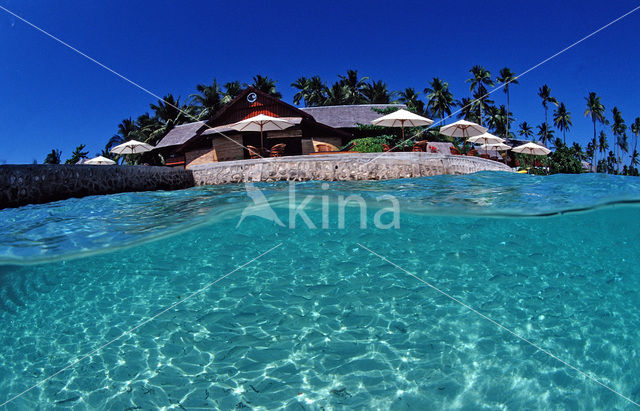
[[252, 97]]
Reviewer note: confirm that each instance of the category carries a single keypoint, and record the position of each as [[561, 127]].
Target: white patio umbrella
[[402, 118], [485, 138], [532, 149], [463, 128], [496, 146], [262, 123], [100, 161], [132, 147]]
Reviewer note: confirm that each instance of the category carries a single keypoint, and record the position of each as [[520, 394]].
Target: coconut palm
[[354, 87], [635, 129], [595, 109], [266, 85], [376, 92], [525, 130], [231, 90], [167, 109], [208, 100], [337, 95], [499, 120], [618, 128], [603, 143], [410, 98], [79, 153], [545, 133], [544, 93], [481, 78], [592, 148], [507, 77], [439, 98], [149, 129], [127, 130], [562, 120], [317, 91], [302, 85], [53, 157], [468, 110]]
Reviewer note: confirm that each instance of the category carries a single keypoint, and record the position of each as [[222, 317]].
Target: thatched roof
[[347, 116], [180, 134]]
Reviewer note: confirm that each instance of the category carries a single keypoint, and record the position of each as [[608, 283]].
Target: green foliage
[[53, 157], [566, 160], [371, 144], [77, 155]]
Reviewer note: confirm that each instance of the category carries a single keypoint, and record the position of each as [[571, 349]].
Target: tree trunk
[[508, 128]]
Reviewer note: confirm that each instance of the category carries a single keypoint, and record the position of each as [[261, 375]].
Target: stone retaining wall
[[29, 184], [40, 183], [332, 167]]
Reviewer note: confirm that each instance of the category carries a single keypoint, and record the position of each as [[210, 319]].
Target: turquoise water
[[319, 322]]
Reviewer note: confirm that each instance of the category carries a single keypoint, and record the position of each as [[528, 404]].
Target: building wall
[[229, 148], [222, 149]]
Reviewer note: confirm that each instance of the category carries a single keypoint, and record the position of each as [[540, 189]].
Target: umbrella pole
[[261, 139]]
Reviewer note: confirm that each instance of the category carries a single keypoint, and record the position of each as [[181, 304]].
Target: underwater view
[[486, 291]]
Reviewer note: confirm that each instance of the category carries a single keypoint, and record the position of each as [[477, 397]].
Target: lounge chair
[[255, 152], [420, 146], [454, 151], [326, 148], [277, 150]]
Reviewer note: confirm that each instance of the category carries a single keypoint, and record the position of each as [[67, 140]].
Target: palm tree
[[410, 98], [635, 129], [562, 120], [468, 110], [149, 129], [499, 120], [127, 130], [596, 110], [480, 80], [618, 128], [592, 148], [544, 93], [167, 109], [337, 95], [266, 85], [78, 154], [507, 77], [231, 90], [208, 100], [376, 92], [317, 92], [302, 85], [603, 144], [545, 133], [53, 157], [439, 98], [354, 86], [525, 130]]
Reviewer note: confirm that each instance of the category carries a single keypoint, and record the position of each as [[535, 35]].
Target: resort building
[[214, 140]]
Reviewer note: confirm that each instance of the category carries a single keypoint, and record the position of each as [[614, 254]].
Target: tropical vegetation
[[619, 156]]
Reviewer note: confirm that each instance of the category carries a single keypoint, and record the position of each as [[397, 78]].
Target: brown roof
[[180, 134], [347, 116]]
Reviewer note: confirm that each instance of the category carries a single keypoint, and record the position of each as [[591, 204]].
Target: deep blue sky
[[54, 98]]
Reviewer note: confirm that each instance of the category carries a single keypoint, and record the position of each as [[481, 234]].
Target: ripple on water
[[321, 323]]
